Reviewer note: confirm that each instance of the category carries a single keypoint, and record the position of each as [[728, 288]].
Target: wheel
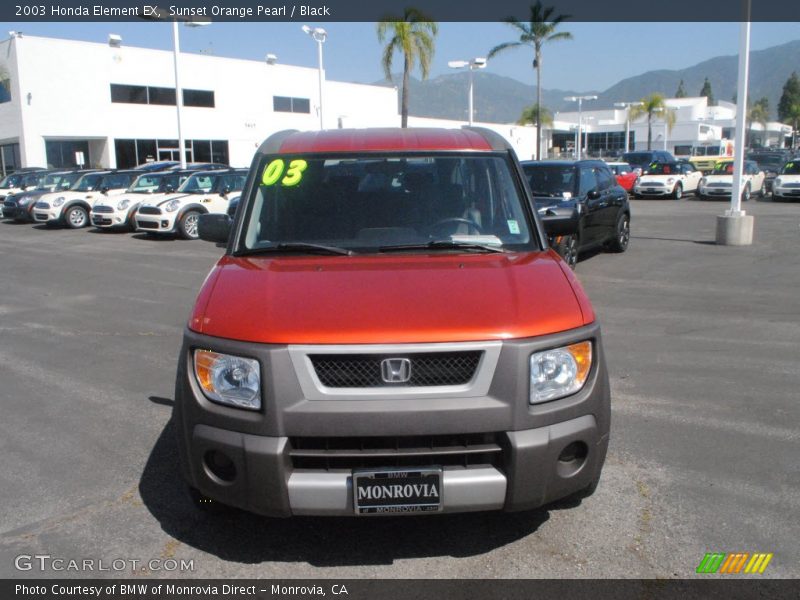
[[622, 234], [188, 225], [746, 193], [130, 224], [76, 217], [763, 191], [678, 193], [567, 247]]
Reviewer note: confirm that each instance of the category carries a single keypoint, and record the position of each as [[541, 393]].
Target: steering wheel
[[460, 221]]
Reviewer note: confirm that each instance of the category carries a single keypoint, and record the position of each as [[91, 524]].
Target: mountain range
[[500, 99]]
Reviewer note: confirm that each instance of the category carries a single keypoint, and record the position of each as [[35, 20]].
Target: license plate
[[396, 491], [651, 189]]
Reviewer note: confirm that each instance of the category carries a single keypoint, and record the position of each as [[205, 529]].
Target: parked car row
[[171, 198]]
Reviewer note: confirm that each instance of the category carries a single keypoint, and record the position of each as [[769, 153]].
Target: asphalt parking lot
[[703, 344]]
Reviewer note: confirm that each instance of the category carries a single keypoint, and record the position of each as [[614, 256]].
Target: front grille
[[146, 225], [364, 370], [791, 185], [9, 204], [720, 185], [651, 184], [149, 210], [101, 221], [330, 453], [102, 208], [42, 205]]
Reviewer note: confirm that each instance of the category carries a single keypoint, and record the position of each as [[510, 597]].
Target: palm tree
[[758, 113], [652, 106], [412, 35], [536, 33], [529, 113]]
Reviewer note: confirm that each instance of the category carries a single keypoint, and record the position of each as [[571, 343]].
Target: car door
[[613, 197], [591, 203], [693, 177]]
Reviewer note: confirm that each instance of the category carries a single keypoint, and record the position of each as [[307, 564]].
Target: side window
[[605, 180], [587, 181]]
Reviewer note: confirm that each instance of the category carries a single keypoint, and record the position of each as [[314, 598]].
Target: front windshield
[[386, 201], [10, 181], [723, 168], [791, 168], [199, 183], [664, 169], [145, 184], [706, 151], [772, 163], [87, 183], [551, 180]]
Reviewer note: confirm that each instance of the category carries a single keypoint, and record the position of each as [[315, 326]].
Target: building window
[[201, 98], [128, 94], [293, 105], [5, 90], [160, 96], [62, 155], [131, 153], [9, 158]]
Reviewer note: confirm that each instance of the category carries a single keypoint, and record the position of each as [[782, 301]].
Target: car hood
[[389, 298], [789, 178], [656, 178], [161, 199]]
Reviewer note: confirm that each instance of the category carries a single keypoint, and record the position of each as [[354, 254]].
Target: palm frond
[[503, 47]]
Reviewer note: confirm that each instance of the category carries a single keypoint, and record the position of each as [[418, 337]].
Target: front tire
[[622, 234], [746, 193], [76, 217], [678, 193], [188, 225], [567, 248], [763, 191]]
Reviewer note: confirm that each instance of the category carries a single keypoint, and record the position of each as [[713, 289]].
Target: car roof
[[563, 163], [384, 139]]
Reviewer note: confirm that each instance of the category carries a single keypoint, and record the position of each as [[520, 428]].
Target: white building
[[695, 122], [65, 100]]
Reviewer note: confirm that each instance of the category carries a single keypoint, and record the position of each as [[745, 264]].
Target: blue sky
[[600, 55]]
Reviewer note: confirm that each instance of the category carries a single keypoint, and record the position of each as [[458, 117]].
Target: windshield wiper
[[548, 194], [301, 247], [442, 245]]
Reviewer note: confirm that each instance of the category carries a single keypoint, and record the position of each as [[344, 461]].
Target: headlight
[[559, 372], [58, 201], [123, 204], [172, 205], [777, 182], [671, 180], [227, 379]]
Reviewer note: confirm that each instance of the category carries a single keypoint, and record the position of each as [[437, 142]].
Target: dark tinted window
[[198, 98], [550, 180], [587, 181], [286, 104], [301, 105], [5, 90], [128, 94], [162, 96], [605, 179]]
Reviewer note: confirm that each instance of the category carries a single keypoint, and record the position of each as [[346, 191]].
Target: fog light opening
[[219, 466], [572, 458]]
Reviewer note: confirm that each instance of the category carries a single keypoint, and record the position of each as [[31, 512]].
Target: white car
[[203, 192], [719, 183], [71, 208], [20, 181], [672, 180], [787, 185], [119, 212]]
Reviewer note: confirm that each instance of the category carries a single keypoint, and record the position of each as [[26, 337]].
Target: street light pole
[[178, 96], [319, 35], [627, 107], [579, 100], [472, 65]]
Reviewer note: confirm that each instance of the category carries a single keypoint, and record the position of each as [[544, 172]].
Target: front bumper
[[117, 218], [44, 216], [787, 193], [268, 477], [654, 191], [163, 223]]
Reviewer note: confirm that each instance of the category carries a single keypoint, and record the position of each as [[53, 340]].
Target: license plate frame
[[387, 481]]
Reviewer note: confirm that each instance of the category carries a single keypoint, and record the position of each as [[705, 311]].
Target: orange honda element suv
[[388, 332]]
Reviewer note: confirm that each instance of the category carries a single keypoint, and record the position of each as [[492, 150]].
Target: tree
[[758, 112], [539, 30], [5, 83], [792, 115], [706, 91], [789, 98], [680, 93], [413, 35], [653, 107], [529, 113]]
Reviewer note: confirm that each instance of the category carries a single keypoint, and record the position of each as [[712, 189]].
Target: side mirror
[[104, 189], [560, 221], [225, 191], [214, 228], [593, 195]]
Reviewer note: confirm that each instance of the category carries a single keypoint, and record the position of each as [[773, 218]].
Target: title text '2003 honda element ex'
[[388, 332]]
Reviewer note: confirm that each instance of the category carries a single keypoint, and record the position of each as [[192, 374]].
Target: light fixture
[[15, 34], [271, 59], [114, 40]]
